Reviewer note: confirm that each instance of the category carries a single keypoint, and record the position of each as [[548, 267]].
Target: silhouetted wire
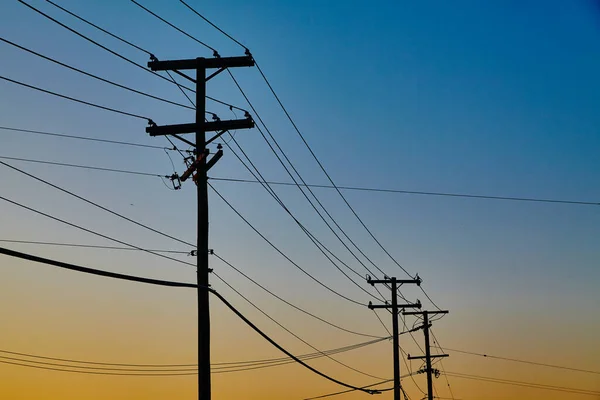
[[443, 194], [93, 232], [524, 384], [85, 367], [98, 205], [364, 387], [437, 343], [177, 284], [524, 361], [62, 135], [181, 89], [290, 304], [90, 246], [223, 365], [322, 248], [72, 267], [213, 25], [176, 28], [97, 373], [87, 103], [303, 181], [96, 76], [292, 333], [123, 171], [112, 51], [280, 251]]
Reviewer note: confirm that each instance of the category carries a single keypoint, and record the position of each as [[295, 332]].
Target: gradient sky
[[496, 98]]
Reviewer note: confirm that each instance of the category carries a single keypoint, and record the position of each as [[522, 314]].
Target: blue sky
[[497, 98]]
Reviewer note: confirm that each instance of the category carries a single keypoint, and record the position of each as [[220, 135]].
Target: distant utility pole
[[395, 307], [201, 167], [427, 356]]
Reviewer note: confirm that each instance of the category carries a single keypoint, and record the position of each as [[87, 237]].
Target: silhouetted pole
[[201, 167], [202, 271], [428, 356], [395, 333]]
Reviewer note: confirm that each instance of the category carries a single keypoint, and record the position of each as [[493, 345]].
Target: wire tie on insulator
[[216, 54]]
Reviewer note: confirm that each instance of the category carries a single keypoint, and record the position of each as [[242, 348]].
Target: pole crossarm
[[212, 126], [412, 305], [424, 312], [398, 281], [201, 62], [425, 357]]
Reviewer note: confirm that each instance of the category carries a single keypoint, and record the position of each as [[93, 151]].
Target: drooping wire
[[322, 248], [112, 51], [62, 135], [122, 171], [178, 284], [96, 76], [92, 232], [281, 252], [414, 192], [75, 99], [288, 303], [89, 246], [215, 52], [98, 205], [292, 333]]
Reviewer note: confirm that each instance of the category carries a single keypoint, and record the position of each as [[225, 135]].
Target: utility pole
[[427, 356], [395, 307], [201, 167]]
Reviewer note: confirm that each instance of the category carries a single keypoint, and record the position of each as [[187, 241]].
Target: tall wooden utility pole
[[395, 307], [201, 167], [427, 356]]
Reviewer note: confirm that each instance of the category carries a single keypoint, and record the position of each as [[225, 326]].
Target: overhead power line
[[96, 76], [525, 384], [76, 100], [122, 171], [292, 333], [112, 51], [281, 252], [72, 267], [89, 246], [62, 135], [288, 303], [179, 284], [215, 53], [219, 367], [92, 232], [423, 193], [97, 205], [524, 361]]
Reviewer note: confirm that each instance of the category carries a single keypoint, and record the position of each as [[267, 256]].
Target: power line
[[62, 135], [179, 284], [98, 205], [288, 303], [97, 372], [524, 384], [304, 182], [223, 365], [72, 267], [112, 51], [213, 25], [96, 76], [76, 100], [292, 333], [281, 252], [90, 246], [93, 232], [524, 361], [322, 248], [122, 171], [215, 53], [444, 194]]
